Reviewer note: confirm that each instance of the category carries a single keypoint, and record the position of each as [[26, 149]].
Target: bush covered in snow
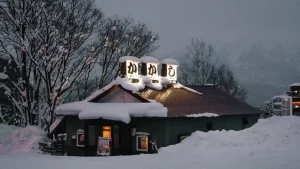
[[272, 132], [16, 139]]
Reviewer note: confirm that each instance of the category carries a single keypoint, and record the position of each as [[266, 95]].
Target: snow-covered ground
[[270, 144]]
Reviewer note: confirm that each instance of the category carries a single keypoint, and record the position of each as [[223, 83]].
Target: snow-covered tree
[[55, 47], [267, 107], [46, 41]]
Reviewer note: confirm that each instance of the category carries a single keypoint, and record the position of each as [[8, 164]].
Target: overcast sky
[[215, 21]]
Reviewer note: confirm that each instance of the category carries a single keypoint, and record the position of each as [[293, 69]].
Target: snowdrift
[[16, 139], [266, 133]]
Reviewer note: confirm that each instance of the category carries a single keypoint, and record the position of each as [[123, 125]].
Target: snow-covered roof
[[131, 58], [284, 96], [203, 115], [178, 85], [112, 111], [136, 87], [295, 84], [169, 61], [149, 59], [56, 123]]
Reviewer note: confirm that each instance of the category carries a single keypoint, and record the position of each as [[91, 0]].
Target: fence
[[52, 147]]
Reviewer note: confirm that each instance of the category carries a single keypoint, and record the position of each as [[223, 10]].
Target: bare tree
[[116, 37], [200, 68]]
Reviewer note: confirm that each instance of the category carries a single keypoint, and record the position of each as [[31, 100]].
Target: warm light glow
[[144, 143], [163, 96], [106, 131]]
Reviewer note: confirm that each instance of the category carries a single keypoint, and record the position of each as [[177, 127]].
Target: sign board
[[132, 69], [103, 148], [152, 71], [171, 72]]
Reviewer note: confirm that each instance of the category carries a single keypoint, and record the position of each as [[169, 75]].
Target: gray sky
[[215, 21]]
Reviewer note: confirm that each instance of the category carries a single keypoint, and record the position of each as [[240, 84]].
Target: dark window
[[209, 126]]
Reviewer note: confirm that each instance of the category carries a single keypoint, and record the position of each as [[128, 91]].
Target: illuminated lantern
[[150, 67], [129, 67], [169, 69]]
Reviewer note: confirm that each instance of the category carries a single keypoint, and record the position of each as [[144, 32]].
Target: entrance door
[[126, 140], [116, 147]]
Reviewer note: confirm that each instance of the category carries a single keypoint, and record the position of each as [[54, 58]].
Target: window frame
[[137, 143], [78, 134]]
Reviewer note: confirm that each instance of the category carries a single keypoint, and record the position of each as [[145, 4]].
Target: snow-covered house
[[282, 105], [140, 106]]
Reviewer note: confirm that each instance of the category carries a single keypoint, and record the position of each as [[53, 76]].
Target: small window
[[142, 143], [106, 132], [80, 138]]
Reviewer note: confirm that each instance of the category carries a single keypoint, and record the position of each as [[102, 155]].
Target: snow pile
[[16, 139], [203, 115], [295, 84], [178, 85], [169, 61], [112, 111], [124, 82], [149, 59], [131, 58], [275, 132]]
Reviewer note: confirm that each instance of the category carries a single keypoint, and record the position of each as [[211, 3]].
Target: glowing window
[[142, 143], [106, 132]]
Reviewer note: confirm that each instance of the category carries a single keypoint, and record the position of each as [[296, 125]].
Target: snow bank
[[16, 139], [203, 115], [267, 133]]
